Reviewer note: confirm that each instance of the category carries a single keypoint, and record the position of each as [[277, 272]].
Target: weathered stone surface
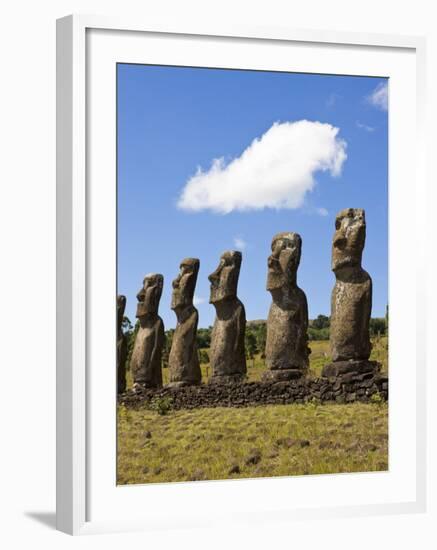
[[146, 356], [227, 352], [287, 348], [350, 367], [121, 345], [351, 301], [184, 367]]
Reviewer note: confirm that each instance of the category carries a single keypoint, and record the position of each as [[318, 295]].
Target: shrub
[[162, 405], [203, 356], [318, 334]]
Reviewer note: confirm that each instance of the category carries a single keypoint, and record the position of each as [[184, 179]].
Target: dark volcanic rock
[[250, 394], [254, 457]]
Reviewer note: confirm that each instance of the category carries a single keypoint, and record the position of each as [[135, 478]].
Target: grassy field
[[274, 440]]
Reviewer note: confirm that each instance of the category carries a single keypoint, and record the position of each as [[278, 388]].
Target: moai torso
[[351, 304], [121, 346], [146, 355], [287, 324], [287, 338], [227, 353], [183, 363]]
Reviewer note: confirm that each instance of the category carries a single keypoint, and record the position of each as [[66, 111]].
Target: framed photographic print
[[237, 254]]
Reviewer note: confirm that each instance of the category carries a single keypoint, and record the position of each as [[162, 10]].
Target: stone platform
[[249, 394], [347, 371]]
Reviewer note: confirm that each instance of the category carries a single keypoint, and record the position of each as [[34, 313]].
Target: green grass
[[265, 441], [212, 443]]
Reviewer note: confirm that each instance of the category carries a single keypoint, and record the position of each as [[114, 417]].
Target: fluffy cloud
[[275, 171], [379, 96]]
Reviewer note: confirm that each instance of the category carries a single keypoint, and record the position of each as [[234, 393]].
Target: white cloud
[[197, 300], [275, 171], [379, 96], [322, 211], [365, 127], [240, 243]]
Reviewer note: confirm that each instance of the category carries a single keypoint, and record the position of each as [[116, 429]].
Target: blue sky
[[173, 120]]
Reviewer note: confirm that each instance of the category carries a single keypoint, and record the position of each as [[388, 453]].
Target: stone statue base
[[350, 369], [183, 384], [283, 375], [139, 386], [227, 379]]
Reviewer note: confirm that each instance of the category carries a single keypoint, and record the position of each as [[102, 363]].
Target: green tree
[[261, 336], [251, 347], [318, 334], [377, 326], [167, 347], [204, 337], [321, 321]]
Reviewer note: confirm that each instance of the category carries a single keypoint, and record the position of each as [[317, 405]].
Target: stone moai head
[[149, 295], [121, 306], [284, 260], [224, 280], [349, 238], [185, 283]]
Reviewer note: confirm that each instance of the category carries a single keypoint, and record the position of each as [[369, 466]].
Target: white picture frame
[[81, 464]]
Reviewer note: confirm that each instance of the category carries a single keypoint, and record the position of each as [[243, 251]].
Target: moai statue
[[351, 301], [287, 348], [183, 362], [227, 353], [121, 345], [146, 356]]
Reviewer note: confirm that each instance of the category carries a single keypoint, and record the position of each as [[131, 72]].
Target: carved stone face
[[284, 260], [349, 238], [224, 280], [121, 306], [185, 283], [148, 297]]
